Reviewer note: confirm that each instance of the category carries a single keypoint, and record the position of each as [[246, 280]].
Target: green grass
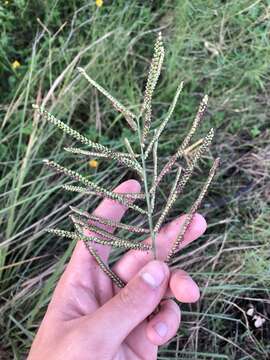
[[216, 47]]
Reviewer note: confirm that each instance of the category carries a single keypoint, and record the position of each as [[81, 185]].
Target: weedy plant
[[151, 179]]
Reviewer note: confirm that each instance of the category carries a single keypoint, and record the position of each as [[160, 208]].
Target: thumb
[[138, 299]]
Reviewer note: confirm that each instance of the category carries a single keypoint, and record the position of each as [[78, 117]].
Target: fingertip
[[164, 325], [130, 185], [155, 273], [183, 287], [199, 224], [194, 293]]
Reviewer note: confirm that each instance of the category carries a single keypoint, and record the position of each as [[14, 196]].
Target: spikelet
[[84, 190], [79, 235], [112, 239], [165, 121], [134, 196], [146, 123], [167, 168], [63, 233], [80, 189], [128, 115], [198, 118], [129, 198], [105, 268], [122, 244], [116, 243], [184, 179], [153, 76], [97, 189], [79, 151], [124, 160], [155, 159], [175, 183], [154, 71], [75, 134], [192, 211], [112, 223]]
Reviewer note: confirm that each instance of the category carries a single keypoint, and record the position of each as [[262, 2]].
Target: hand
[[89, 318]]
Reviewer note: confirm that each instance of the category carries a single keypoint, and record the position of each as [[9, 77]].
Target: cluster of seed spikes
[[90, 228]]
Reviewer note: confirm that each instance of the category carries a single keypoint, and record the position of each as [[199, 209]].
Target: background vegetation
[[217, 47]]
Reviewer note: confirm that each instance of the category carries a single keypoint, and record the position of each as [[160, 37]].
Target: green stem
[[147, 195]]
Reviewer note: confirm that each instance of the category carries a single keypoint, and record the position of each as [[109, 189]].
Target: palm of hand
[[72, 320], [136, 345]]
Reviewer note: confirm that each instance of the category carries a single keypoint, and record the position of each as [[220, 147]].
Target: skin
[[90, 318]]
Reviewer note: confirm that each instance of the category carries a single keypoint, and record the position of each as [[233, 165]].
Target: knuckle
[[127, 297]]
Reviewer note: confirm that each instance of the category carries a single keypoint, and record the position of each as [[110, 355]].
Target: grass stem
[[147, 194]]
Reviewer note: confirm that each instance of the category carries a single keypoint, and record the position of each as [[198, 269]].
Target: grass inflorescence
[[141, 124]]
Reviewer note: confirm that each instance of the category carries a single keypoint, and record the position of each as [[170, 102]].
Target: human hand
[[89, 318]]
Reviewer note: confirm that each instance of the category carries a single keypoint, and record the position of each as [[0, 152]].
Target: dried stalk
[[130, 150]]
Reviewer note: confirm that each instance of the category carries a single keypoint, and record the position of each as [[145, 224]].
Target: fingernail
[[161, 328], [153, 274]]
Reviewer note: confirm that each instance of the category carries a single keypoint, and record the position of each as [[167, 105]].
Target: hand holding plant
[[89, 317], [103, 313]]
